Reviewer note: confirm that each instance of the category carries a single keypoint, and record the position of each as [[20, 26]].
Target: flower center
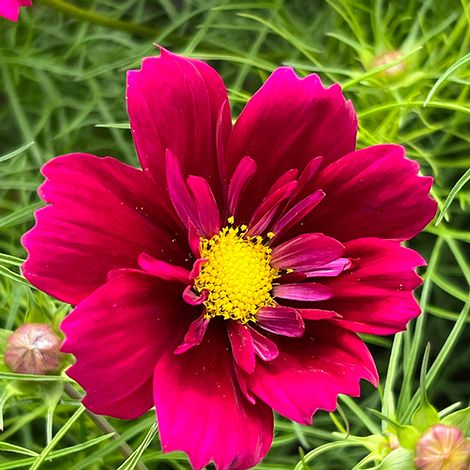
[[237, 275]]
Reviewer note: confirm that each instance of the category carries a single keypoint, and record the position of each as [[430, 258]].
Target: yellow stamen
[[238, 274]]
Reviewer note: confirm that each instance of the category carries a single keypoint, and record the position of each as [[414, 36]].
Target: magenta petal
[[292, 277], [193, 298], [306, 252], [286, 177], [373, 192], [294, 215], [163, 270], [266, 211], [306, 291], [308, 175], [332, 269], [242, 175], [287, 123], [242, 346], [202, 411], [101, 215], [197, 268], [383, 266], [316, 314], [280, 320], [130, 406], [10, 9], [174, 103], [117, 335], [311, 371], [375, 296], [243, 385], [194, 335], [264, 347], [223, 130], [207, 210], [179, 193], [193, 239]]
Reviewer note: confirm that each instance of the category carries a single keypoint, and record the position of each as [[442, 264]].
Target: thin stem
[[49, 423], [441, 358], [103, 425], [388, 404], [100, 19], [360, 414], [411, 359]]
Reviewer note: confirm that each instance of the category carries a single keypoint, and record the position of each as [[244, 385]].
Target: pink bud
[[442, 447], [33, 349], [387, 58]]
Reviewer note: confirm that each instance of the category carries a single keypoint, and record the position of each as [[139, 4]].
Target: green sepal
[[460, 419], [51, 392], [425, 417], [408, 436], [397, 459]]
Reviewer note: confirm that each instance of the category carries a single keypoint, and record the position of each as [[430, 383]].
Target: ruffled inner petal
[[242, 175], [306, 252], [264, 347], [242, 346], [280, 320], [195, 334], [304, 292], [162, 269], [376, 294]]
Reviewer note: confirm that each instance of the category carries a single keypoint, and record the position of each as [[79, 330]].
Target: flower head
[[33, 348], [443, 448], [231, 276], [10, 9]]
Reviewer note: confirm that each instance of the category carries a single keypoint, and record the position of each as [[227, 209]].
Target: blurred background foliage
[[405, 65]]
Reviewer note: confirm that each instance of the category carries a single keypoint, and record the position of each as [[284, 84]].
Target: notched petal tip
[[385, 196]]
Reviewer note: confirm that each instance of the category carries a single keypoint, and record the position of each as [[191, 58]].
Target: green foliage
[[398, 459], [459, 419], [62, 90]]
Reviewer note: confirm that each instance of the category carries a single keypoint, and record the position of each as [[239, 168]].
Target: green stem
[[6, 395], [388, 400], [105, 426], [411, 359], [97, 18], [441, 358]]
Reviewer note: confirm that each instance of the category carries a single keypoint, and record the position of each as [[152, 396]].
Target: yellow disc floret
[[237, 274]]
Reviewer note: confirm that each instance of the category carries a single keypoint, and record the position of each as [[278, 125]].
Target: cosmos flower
[[231, 276], [10, 9]]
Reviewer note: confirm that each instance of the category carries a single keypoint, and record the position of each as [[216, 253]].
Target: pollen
[[237, 274]]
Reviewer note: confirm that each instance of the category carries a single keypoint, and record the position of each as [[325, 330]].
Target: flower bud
[[387, 58], [443, 447], [33, 348]]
